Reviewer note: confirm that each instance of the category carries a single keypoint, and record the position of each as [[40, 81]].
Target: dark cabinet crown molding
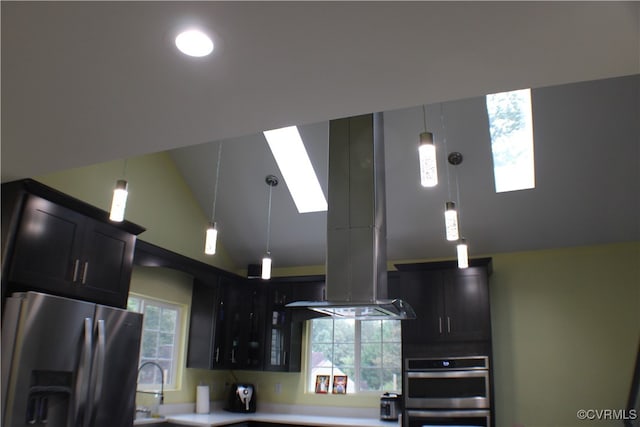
[[37, 188]]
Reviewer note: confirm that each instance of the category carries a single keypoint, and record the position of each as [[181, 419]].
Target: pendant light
[[211, 235], [455, 158], [427, 156], [119, 200], [271, 181], [463, 253], [451, 221]]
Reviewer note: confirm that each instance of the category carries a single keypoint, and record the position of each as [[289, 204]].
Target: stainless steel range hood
[[356, 225]]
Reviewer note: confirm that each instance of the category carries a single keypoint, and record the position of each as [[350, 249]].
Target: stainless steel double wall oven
[[447, 391]]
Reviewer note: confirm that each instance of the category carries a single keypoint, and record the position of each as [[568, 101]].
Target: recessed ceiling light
[[194, 43]]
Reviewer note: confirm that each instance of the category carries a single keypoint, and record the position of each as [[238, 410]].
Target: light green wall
[[566, 325], [159, 200], [566, 322], [174, 286]]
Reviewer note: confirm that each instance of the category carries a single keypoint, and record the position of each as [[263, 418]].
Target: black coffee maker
[[242, 398]]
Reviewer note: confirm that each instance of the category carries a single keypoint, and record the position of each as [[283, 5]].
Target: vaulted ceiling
[[87, 82]]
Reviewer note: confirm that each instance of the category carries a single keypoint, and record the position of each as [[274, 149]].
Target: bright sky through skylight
[[511, 128], [292, 159]]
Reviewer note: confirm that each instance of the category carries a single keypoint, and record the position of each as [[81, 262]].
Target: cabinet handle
[[76, 266], [217, 354], [448, 324], [285, 358], [233, 355], [440, 324], [84, 272]]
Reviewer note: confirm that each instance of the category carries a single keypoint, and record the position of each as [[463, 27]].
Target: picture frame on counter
[[322, 384], [339, 384]]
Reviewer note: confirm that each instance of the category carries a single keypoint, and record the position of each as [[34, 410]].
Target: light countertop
[[224, 418], [183, 414]]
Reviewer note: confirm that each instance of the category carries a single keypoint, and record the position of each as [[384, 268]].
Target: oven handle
[[458, 414], [449, 374]]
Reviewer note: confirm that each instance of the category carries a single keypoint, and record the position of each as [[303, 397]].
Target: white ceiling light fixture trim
[[194, 43], [296, 169]]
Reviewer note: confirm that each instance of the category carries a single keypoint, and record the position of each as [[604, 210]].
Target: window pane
[[391, 330], [511, 128], [391, 380], [151, 317], [371, 331], [320, 353], [371, 356], [168, 320], [370, 379], [392, 355], [133, 304], [149, 345], [322, 330], [344, 331], [344, 355]]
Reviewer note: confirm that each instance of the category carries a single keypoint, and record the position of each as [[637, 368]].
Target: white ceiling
[[87, 82]]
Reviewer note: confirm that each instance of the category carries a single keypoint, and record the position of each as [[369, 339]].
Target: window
[[160, 339], [368, 352], [511, 128]]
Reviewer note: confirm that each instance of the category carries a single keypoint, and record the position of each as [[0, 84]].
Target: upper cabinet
[[60, 245], [283, 332], [451, 304]]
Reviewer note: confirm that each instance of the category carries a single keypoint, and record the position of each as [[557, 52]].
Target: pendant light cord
[[124, 169], [459, 206], [446, 149], [215, 186], [424, 117], [269, 218]]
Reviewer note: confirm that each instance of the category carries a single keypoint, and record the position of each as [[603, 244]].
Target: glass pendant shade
[[266, 267], [463, 254], [211, 239], [451, 221], [119, 201], [428, 165]]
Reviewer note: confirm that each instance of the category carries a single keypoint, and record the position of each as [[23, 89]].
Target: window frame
[[178, 337], [357, 366]]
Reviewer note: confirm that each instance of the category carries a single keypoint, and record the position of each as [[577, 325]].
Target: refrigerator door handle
[[84, 371], [98, 369]]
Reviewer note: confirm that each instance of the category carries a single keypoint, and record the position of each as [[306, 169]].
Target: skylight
[[511, 128], [292, 159]]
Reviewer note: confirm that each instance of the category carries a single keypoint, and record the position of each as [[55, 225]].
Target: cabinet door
[[283, 340], [467, 305], [106, 264], [47, 249], [203, 351], [422, 290], [278, 331], [244, 331]]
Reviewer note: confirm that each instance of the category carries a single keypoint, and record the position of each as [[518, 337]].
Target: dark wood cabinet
[[244, 305], [283, 332], [451, 304], [61, 250], [205, 346]]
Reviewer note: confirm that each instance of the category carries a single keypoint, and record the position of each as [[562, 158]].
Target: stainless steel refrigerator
[[68, 363]]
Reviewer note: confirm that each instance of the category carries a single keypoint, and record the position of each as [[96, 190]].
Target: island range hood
[[356, 277]]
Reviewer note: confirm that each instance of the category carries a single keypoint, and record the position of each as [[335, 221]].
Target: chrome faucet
[[161, 380]]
